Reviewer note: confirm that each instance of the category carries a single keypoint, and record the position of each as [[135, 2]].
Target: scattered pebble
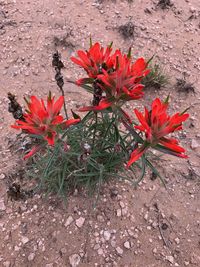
[[69, 221], [31, 257], [107, 235], [119, 250], [74, 260], [127, 245], [2, 205], [170, 259], [194, 144], [25, 240], [80, 222]]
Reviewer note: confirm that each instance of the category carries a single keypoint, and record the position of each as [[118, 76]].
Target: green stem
[[95, 128]]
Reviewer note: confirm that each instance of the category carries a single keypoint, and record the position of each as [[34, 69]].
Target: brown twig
[[159, 225]]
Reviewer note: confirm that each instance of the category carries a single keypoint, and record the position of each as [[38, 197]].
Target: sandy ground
[[149, 226]]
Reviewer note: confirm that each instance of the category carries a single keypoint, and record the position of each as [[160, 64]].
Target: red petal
[[58, 105], [34, 150], [136, 154], [72, 122]]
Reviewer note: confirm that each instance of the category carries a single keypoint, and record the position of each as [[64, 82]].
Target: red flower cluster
[[94, 60], [156, 124], [43, 120], [117, 77]]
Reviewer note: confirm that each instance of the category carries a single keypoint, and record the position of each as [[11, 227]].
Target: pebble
[[80, 222], [107, 235], [119, 250], [2, 205], [31, 257], [100, 251], [74, 260], [2, 176], [177, 240], [170, 259], [119, 213], [69, 221], [194, 144], [6, 264], [127, 245], [97, 246], [100, 218], [25, 239]]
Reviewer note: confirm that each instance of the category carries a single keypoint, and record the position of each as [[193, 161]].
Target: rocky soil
[[150, 226]]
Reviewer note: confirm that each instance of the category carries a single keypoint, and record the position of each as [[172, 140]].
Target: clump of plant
[[105, 142], [156, 78], [183, 86], [127, 30], [164, 4]]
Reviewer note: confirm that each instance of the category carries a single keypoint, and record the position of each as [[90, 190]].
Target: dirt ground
[[145, 227]]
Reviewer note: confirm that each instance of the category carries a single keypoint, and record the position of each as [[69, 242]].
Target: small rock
[[2, 176], [177, 240], [2, 205], [25, 240], [119, 213], [100, 218], [107, 235], [6, 264], [74, 260], [31, 257], [97, 246], [49, 265], [100, 251], [69, 221], [119, 250], [122, 205], [194, 144], [127, 245], [170, 259], [80, 221]]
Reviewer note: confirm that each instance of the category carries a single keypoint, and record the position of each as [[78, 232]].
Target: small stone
[[107, 235], [16, 248], [122, 205], [31, 257], [100, 251], [119, 213], [49, 265], [119, 250], [6, 264], [74, 260], [194, 144], [2, 205], [177, 240], [127, 245], [80, 222], [69, 221], [100, 218], [2, 176], [186, 263], [170, 259], [113, 243], [25, 240], [97, 246]]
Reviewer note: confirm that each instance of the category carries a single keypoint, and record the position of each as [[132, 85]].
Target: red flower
[[122, 84], [156, 124], [43, 120], [94, 60]]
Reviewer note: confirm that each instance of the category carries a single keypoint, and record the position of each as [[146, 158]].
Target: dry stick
[[58, 65], [159, 226]]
